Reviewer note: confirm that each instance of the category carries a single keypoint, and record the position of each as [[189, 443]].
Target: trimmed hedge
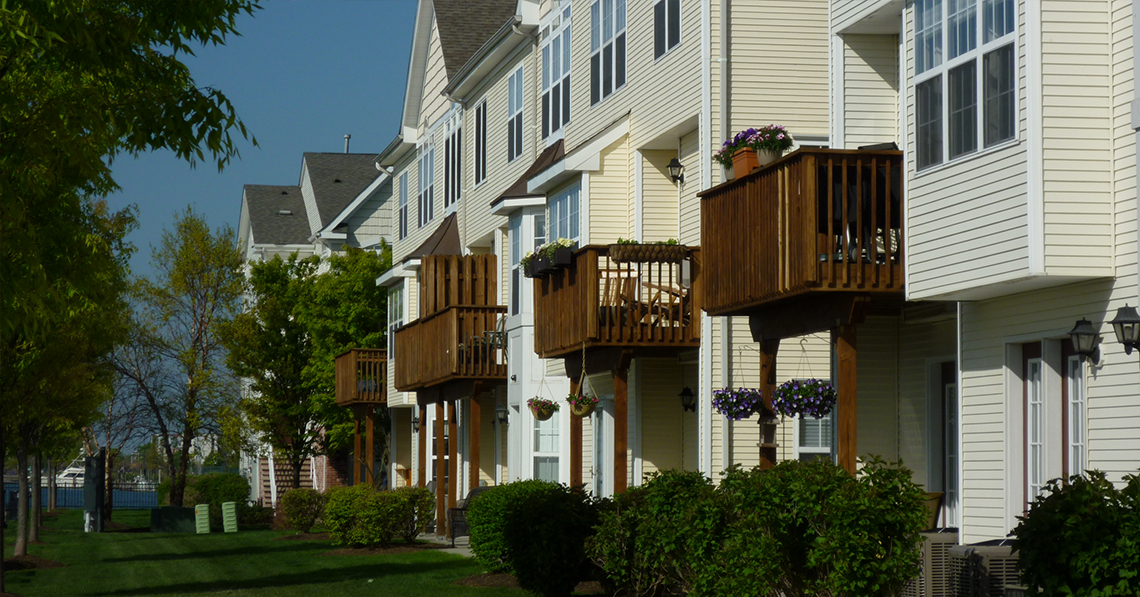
[[360, 515], [418, 505], [303, 508], [215, 489], [487, 518]]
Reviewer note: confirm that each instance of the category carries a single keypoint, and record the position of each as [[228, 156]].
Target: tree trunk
[[178, 482], [36, 510], [296, 460], [51, 484], [22, 507], [109, 499], [3, 523]]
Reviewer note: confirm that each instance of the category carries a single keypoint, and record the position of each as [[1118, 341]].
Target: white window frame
[[1077, 416], [426, 164], [556, 74], [515, 115], [526, 229], [395, 315], [480, 160], [934, 65], [403, 191], [607, 33], [671, 17], [952, 487], [566, 214], [1035, 428], [551, 428], [453, 161]]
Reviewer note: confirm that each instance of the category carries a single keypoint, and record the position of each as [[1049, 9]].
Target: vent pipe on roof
[[346, 138]]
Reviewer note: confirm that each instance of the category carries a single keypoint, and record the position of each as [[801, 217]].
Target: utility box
[[172, 519], [229, 517], [202, 519], [94, 490]]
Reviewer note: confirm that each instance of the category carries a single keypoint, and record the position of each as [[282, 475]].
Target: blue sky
[[302, 74]]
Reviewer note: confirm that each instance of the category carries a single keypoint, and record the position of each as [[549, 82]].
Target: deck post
[[370, 443], [475, 434], [768, 350], [356, 446], [845, 353], [621, 421], [452, 457]]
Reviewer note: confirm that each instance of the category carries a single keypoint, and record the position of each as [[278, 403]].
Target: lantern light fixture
[[1126, 325], [676, 170], [502, 415], [688, 399], [1084, 338]]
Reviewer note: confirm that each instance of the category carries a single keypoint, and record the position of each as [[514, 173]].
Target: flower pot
[[562, 257], [647, 253], [543, 265], [542, 413], [746, 160], [582, 410], [531, 270]]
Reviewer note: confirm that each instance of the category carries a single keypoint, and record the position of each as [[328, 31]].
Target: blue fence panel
[[127, 496]]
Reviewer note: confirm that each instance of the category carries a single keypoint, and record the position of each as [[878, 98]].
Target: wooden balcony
[[362, 377], [597, 302], [458, 342], [767, 236]]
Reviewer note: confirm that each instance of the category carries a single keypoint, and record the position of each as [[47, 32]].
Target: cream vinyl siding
[[876, 407], [434, 105], [966, 221], [610, 194], [1077, 85], [800, 357], [689, 232], [778, 56], [658, 196], [486, 439], [416, 235], [921, 346], [661, 415], [476, 220], [870, 89], [661, 94], [374, 217], [845, 13], [1112, 387], [1124, 139]]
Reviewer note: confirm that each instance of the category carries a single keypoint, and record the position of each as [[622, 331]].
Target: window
[[516, 269], [666, 26], [556, 74], [607, 48], [546, 449], [950, 449], [453, 160], [515, 115], [1074, 389], [1034, 421], [395, 315], [965, 77], [564, 215], [481, 142], [403, 205], [427, 183], [815, 437]]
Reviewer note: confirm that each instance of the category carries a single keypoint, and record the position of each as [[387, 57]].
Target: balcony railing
[[362, 376], [767, 235], [457, 342], [597, 302]]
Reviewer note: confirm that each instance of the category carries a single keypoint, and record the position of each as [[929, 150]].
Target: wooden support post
[[370, 444], [575, 439], [768, 350], [621, 422], [452, 457], [440, 473], [356, 447], [845, 354], [475, 435]]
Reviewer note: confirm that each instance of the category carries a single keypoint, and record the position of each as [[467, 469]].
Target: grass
[[243, 564]]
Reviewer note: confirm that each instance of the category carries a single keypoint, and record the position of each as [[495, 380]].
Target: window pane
[[566, 99], [1000, 95], [595, 26], [573, 232], [546, 468], [566, 51], [619, 58], [619, 12], [607, 70], [927, 35], [997, 19], [607, 20], [928, 134], [674, 22], [546, 67], [963, 99], [555, 47], [539, 230], [962, 26], [659, 29], [545, 115], [595, 78]]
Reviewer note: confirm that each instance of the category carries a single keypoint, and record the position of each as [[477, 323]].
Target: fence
[[126, 496]]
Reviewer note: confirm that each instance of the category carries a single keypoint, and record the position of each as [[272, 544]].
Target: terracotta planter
[[542, 414], [583, 410], [744, 161], [647, 253]]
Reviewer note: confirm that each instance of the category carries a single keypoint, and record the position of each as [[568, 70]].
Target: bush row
[[361, 516], [797, 529]]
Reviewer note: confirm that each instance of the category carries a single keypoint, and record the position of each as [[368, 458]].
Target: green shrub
[[656, 536], [545, 534], [1082, 538], [487, 516], [303, 508], [418, 505], [254, 516], [215, 489], [360, 515]]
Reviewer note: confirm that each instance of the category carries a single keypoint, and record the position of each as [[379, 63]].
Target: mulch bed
[[30, 563], [304, 537], [495, 580], [391, 550]]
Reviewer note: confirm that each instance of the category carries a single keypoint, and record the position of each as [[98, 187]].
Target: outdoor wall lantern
[[1127, 327], [676, 170], [1084, 338], [502, 415], [688, 400], [415, 423]]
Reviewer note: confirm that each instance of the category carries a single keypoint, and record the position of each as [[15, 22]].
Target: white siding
[[433, 105], [374, 217], [870, 89], [690, 206], [877, 387], [610, 195], [659, 196]]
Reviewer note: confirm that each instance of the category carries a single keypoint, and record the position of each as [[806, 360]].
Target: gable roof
[[444, 241], [337, 179], [465, 25], [268, 222]]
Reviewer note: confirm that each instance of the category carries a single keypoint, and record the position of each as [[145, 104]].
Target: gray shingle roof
[[337, 179], [465, 25], [268, 225]]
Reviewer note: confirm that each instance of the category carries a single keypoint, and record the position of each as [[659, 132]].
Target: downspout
[[1136, 139], [704, 383]]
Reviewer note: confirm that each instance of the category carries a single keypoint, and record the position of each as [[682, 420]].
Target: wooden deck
[[362, 377], [459, 342], [766, 236], [596, 302]]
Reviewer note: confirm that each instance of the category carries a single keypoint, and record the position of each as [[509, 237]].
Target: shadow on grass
[[205, 552], [378, 571]]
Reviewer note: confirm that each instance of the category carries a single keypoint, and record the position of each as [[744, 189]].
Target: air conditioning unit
[[982, 569], [934, 579]]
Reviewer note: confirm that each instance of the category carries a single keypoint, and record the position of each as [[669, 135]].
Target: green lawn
[[245, 563]]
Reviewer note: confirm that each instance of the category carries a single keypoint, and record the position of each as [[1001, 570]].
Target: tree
[[295, 323], [82, 81], [175, 359]]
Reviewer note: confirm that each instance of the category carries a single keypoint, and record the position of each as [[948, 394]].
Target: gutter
[[388, 151]]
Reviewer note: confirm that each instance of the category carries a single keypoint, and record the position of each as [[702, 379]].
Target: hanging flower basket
[[647, 253], [737, 404], [802, 398], [541, 408], [582, 405]]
